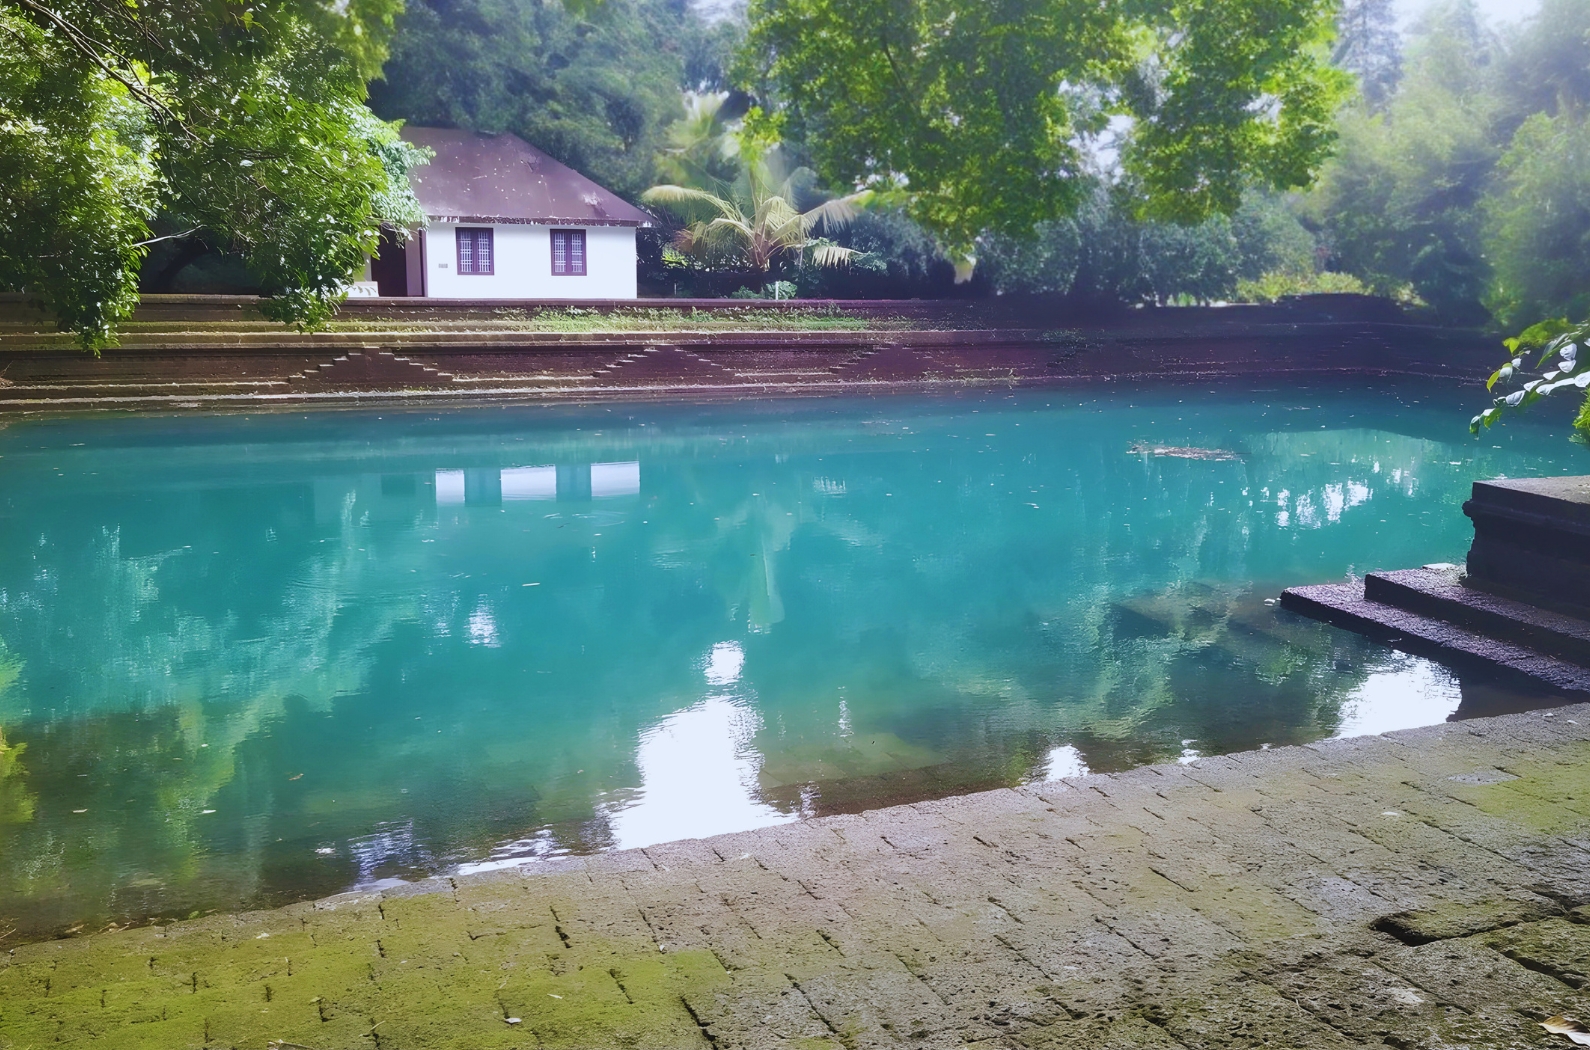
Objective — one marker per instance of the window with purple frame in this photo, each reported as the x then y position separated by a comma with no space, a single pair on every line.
568,253
475,251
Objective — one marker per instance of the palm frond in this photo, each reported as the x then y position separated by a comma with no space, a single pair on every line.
690,202
832,255
836,214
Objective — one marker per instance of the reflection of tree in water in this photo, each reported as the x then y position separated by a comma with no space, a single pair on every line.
1208,670
17,803
980,638
194,651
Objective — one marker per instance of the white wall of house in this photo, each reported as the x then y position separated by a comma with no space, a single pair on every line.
523,264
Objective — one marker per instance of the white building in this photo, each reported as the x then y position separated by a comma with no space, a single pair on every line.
508,222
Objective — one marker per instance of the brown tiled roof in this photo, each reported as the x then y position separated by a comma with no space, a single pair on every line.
502,178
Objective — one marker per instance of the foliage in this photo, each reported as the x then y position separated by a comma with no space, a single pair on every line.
1467,183
1400,204
895,259
1537,229
759,221
78,171
1369,47
1103,254
1543,341
987,112
1279,284
247,124
702,148
594,85
1542,68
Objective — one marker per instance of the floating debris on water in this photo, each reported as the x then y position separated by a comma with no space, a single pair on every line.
1182,451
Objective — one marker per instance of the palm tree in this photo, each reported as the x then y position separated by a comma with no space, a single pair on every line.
704,145
754,223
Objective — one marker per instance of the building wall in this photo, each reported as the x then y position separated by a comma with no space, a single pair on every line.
523,265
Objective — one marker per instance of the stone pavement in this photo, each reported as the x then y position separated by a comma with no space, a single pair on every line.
1421,889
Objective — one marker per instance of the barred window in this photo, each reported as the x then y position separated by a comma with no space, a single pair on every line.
474,251
568,253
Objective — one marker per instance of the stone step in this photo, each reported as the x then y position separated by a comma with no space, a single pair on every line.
368,366
1530,540
1442,593
1346,605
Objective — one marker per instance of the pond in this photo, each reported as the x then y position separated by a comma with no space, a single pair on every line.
249,659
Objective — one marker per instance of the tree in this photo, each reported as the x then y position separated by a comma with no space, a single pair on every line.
1543,68
987,111
758,222
702,148
1401,202
895,259
244,122
1537,223
1104,255
594,85
1369,47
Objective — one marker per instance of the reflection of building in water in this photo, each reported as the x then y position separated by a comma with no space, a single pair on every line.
567,482
378,497
449,486
530,483
614,479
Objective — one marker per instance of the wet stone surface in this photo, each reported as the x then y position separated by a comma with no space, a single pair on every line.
1378,891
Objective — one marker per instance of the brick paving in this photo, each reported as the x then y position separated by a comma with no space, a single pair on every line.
1422,889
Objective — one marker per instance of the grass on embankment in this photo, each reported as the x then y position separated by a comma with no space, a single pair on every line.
505,321
575,320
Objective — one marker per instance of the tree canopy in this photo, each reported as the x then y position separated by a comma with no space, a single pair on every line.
988,111
1369,47
595,85
1466,186
243,120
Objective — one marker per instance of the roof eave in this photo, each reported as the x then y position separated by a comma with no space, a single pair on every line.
510,220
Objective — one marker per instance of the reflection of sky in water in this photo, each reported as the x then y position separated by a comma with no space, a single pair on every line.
1064,761
1408,693
256,659
697,778
698,769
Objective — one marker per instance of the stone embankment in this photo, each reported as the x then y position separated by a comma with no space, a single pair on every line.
216,351
1425,888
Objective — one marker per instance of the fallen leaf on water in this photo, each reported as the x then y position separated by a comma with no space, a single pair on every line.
1574,1030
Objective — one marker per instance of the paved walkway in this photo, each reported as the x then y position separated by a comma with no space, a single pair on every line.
1422,889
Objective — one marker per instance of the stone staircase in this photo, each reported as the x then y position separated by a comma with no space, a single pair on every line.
1519,609
664,365
372,368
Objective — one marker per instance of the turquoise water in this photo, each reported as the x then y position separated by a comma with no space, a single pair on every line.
250,659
